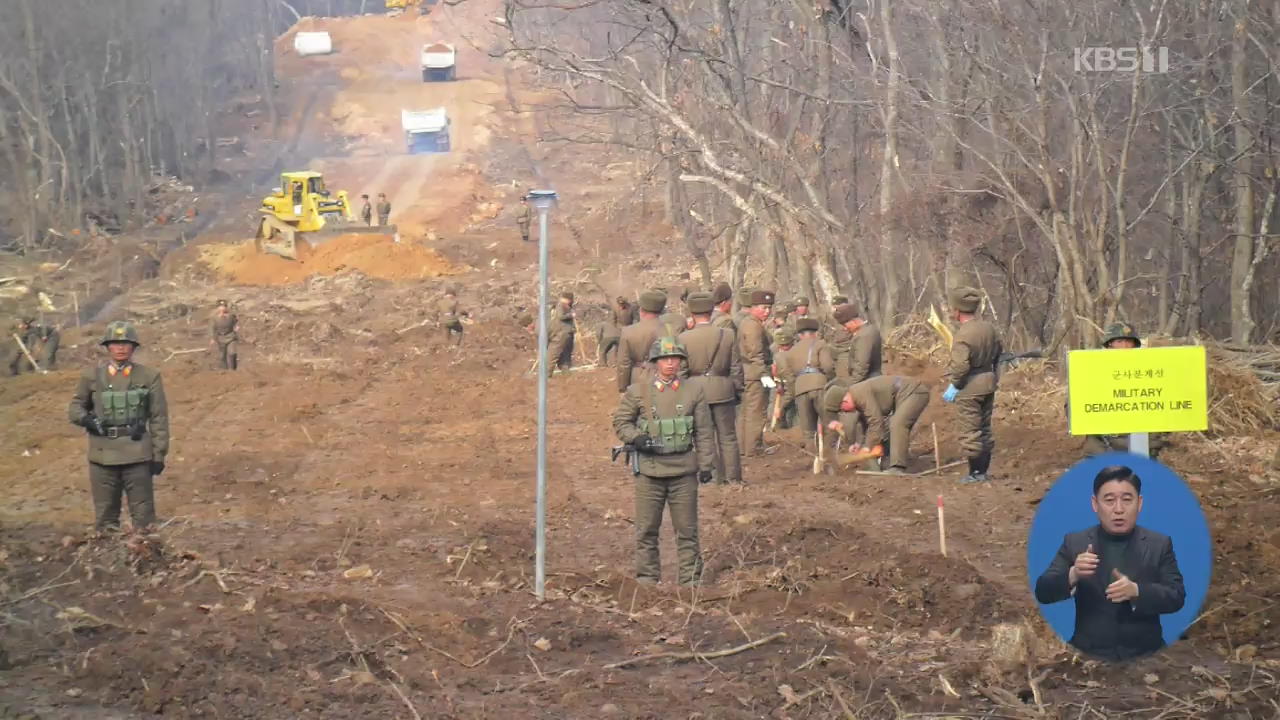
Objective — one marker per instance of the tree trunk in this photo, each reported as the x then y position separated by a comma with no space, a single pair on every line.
1242,185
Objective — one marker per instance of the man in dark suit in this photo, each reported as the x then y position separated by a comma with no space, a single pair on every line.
1122,577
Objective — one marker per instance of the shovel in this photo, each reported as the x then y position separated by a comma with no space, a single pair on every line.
819,461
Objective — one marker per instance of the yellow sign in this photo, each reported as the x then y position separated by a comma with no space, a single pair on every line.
1119,391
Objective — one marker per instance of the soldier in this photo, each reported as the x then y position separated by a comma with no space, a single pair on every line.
366,210
611,330
753,345
122,406
897,400
862,358
808,367
668,422
524,218
638,339
451,317
1121,336
973,374
226,336
714,363
46,338
384,209
744,307
722,300
777,402
671,322
561,328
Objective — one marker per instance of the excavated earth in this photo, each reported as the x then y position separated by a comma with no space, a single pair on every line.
349,519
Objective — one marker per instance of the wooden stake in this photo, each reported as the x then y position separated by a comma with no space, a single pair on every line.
27,352
942,529
75,302
937,451
819,461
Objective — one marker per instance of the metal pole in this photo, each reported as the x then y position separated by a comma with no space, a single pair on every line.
542,200
1139,444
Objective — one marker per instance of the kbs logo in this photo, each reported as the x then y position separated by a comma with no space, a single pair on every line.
1126,59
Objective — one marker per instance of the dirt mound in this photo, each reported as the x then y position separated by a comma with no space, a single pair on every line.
373,255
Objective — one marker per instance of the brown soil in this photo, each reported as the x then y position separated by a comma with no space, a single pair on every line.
349,518
376,256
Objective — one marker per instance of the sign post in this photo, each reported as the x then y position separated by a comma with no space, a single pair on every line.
543,201
1138,391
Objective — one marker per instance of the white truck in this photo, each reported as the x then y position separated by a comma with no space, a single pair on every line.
312,43
426,131
438,62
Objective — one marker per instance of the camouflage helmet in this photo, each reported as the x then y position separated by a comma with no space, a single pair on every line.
1120,331
120,331
667,347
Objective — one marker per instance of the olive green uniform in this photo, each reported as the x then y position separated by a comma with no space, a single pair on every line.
807,367
523,219
891,400
862,360
753,346
46,339
16,360
974,370
724,320
384,213
560,333
130,403
672,324
226,339
633,352
611,332
678,418
450,318
715,365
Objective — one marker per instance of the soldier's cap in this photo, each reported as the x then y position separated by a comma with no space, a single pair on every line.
832,396
784,336
667,347
222,303
653,301
567,295
806,325
846,312
761,297
721,293
840,300
1118,331
786,309
964,299
701,302
623,301
744,295
802,301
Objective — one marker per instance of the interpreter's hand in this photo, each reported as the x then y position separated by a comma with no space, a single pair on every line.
1122,589
1085,566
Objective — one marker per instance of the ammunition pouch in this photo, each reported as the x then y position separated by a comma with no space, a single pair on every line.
125,409
671,436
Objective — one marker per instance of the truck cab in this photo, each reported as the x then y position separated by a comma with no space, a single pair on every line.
426,131
438,62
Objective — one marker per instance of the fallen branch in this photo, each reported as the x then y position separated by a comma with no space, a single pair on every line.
400,624
415,326
940,468
405,698
696,655
185,352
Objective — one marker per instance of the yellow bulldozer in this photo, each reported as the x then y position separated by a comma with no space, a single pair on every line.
396,7
302,208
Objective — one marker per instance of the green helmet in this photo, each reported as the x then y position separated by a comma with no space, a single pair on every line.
784,336
667,347
120,331
1119,331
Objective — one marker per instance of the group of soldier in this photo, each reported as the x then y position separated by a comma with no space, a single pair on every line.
383,207
696,393
34,345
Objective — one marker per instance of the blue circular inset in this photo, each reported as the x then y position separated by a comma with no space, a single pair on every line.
1169,507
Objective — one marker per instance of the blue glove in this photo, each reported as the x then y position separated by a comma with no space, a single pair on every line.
950,394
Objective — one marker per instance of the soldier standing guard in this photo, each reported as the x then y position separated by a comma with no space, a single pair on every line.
560,333
637,339
366,210
384,209
122,407
713,362
668,422
524,218
973,373
226,336
860,359
1121,336
757,359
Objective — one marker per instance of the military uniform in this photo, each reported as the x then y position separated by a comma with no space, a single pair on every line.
861,358
611,330
974,372
561,329
450,317
808,365
123,409
781,399
637,340
753,345
384,210
366,211
713,363
523,220
226,337
1099,444
891,400
670,426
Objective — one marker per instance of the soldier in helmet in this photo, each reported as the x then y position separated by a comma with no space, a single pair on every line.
1121,336
668,422
226,336
121,405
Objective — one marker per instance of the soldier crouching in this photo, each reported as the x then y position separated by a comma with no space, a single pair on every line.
122,407
668,423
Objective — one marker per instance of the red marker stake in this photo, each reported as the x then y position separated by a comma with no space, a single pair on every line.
942,529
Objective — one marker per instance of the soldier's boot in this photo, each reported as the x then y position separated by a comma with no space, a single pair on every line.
978,469
232,361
